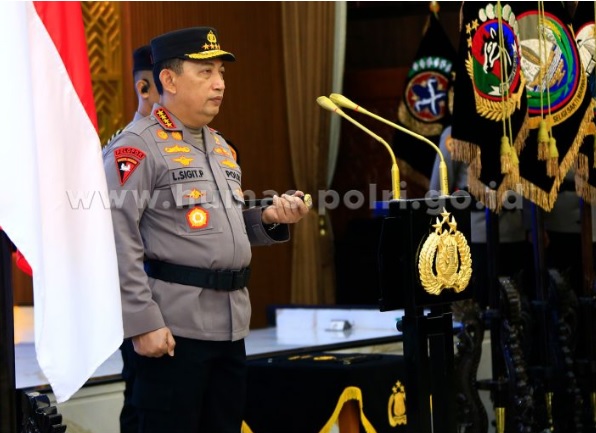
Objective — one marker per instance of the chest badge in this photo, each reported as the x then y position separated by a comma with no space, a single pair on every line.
177,149
221,151
229,163
194,194
127,160
184,160
197,218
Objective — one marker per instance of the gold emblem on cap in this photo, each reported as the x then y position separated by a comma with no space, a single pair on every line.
183,160
445,260
212,39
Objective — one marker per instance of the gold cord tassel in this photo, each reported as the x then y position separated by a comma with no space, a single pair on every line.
552,164
514,173
505,155
543,150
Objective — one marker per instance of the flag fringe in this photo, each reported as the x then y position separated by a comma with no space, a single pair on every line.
573,151
467,152
582,167
491,198
586,191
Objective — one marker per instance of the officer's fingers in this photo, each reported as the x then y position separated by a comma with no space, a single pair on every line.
170,343
290,202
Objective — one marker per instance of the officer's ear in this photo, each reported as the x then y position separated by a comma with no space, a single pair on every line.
168,80
142,86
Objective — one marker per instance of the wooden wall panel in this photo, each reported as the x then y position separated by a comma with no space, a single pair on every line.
252,116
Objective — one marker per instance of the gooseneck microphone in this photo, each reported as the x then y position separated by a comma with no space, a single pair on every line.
342,101
327,104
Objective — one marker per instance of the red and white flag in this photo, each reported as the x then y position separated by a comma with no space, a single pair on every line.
51,184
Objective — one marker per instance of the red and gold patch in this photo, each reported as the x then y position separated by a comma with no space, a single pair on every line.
184,160
162,134
163,118
127,160
177,135
197,218
177,149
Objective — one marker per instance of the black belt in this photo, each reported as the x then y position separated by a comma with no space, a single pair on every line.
218,279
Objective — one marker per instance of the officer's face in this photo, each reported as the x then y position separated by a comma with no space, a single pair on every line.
199,91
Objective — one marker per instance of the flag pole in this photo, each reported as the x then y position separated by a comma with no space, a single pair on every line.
7,364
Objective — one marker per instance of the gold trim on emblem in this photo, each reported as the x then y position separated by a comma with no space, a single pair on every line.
445,260
396,406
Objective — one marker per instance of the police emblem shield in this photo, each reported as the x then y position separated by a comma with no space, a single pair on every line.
558,98
489,108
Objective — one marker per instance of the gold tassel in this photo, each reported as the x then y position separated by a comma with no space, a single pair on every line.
552,164
514,173
505,155
543,150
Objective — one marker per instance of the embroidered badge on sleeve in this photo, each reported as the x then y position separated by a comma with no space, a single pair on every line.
127,160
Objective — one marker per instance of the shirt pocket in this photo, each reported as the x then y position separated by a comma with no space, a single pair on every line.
195,211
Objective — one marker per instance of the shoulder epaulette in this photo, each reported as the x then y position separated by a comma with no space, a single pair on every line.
164,119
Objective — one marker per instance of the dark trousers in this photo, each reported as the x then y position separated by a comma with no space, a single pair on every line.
202,389
129,421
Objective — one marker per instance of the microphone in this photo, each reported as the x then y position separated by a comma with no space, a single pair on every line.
327,104
342,101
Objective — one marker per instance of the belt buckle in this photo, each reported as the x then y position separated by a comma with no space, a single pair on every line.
223,279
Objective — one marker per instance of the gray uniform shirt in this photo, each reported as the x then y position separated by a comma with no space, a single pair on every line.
174,202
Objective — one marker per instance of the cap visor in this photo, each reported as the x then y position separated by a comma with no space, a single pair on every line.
224,55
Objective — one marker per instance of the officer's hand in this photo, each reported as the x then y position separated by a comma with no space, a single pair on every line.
286,209
155,344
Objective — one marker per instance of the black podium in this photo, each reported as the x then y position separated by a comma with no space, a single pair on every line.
307,393
424,266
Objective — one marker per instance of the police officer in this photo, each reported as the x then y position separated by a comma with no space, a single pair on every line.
147,95
184,242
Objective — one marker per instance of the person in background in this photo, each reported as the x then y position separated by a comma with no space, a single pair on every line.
562,238
512,241
144,85
147,95
183,238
